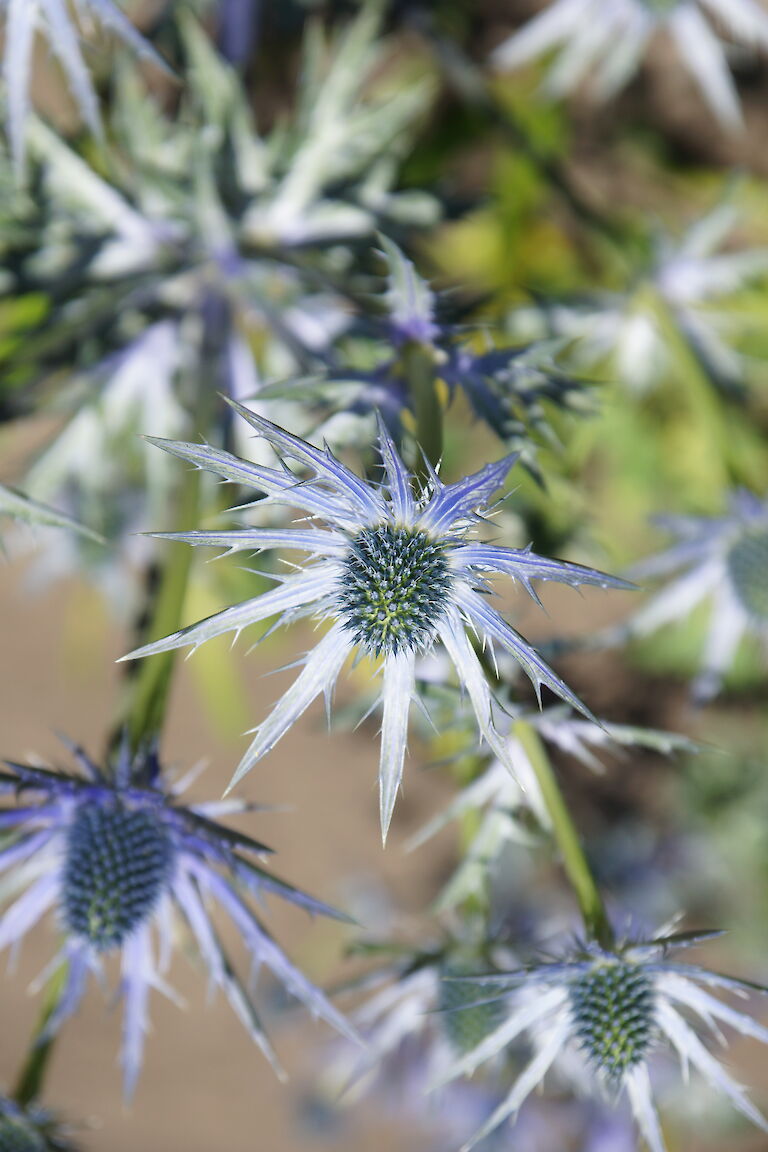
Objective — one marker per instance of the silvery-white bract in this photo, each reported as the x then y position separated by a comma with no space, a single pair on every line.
603,41
121,862
722,559
54,19
392,571
498,797
691,278
413,1026
608,1010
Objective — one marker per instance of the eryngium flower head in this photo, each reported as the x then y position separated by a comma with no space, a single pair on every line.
609,1010
29,1129
513,390
414,1025
392,572
115,857
721,559
604,40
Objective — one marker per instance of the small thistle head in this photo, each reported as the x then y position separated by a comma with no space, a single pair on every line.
613,1010
16,1135
747,561
393,589
467,1013
118,860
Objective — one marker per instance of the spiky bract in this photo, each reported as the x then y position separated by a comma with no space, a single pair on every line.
392,569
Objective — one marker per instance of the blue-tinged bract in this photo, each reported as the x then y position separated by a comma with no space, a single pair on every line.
392,571
604,41
610,1009
414,1024
119,860
720,559
514,390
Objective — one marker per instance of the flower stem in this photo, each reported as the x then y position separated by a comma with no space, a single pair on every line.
148,688
30,1080
577,869
419,366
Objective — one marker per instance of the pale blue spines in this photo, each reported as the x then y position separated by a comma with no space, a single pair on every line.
121,862
610,1008
363,528
721,560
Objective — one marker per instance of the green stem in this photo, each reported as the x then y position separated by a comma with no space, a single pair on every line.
30,1081
148,689
419,367
575,863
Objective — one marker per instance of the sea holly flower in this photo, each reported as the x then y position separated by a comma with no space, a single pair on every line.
414,1025
119,858
723,559
499,798
609,1010
206,260
603,41
31,1129
392,571
54,19
513,390
691,278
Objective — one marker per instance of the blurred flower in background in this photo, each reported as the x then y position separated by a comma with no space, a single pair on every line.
682,298
512,390
602,42
495,799
202,259
610,1008
723,560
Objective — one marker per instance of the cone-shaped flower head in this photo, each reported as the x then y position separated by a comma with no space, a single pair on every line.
721,559
609,1010
116,857
393,572
604,41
